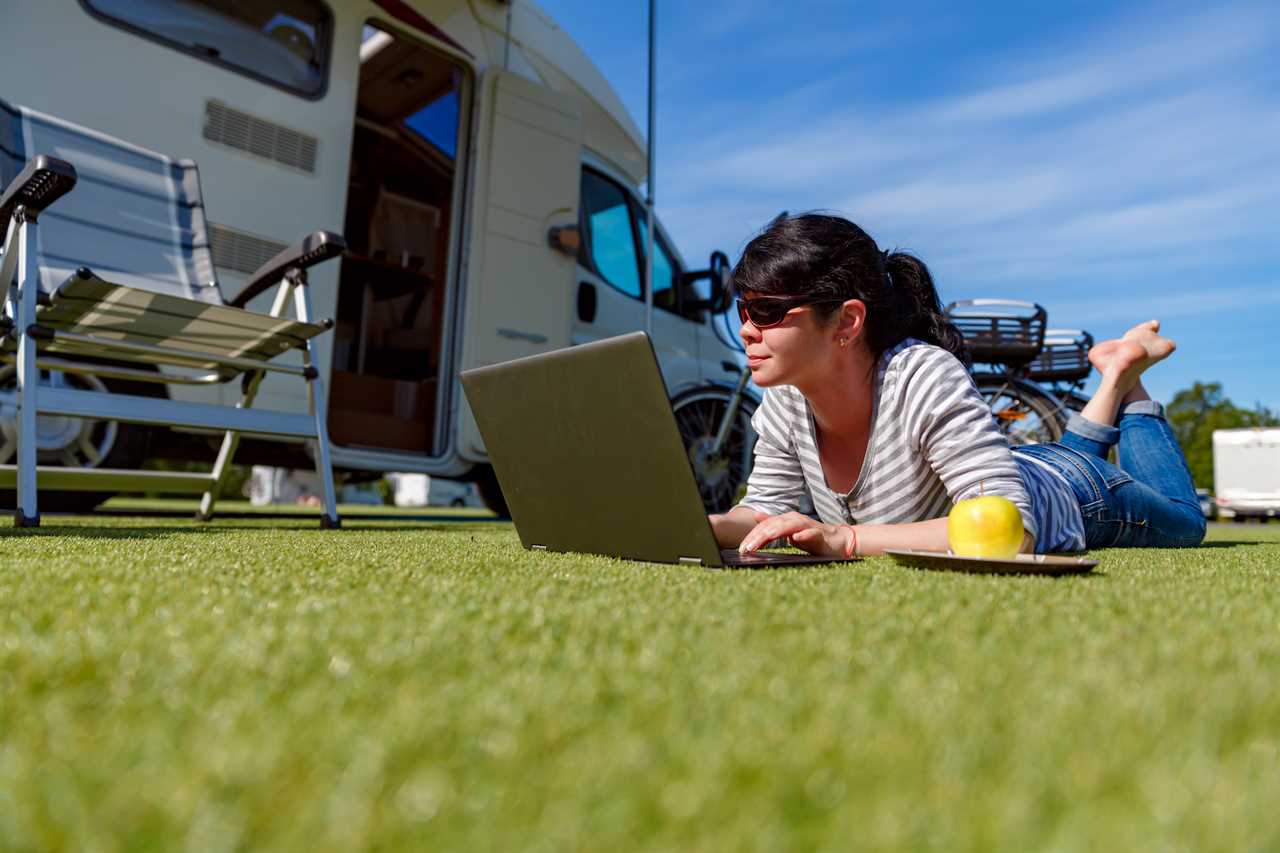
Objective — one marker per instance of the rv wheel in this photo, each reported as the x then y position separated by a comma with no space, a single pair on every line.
721,471
491,492
81,442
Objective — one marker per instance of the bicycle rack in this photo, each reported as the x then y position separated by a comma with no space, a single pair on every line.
1000,331
1065,357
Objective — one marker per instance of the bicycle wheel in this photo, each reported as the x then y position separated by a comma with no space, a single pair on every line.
1074,402
1064,402
721,476
1022,412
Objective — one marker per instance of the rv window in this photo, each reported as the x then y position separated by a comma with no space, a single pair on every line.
665,270
413,89
437,122
283,42
610,238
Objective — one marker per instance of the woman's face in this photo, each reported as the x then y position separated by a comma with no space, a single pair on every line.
794,352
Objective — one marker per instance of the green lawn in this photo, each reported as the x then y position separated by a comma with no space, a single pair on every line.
260,684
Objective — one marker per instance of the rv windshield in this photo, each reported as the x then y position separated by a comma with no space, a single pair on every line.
282,41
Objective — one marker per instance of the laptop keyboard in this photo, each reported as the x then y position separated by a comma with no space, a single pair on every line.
732,559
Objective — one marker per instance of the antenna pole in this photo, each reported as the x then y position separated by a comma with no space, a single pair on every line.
648,265
506,49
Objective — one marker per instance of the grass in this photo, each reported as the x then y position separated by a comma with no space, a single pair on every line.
260,684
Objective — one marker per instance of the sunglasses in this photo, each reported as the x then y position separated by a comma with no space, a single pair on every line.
767,311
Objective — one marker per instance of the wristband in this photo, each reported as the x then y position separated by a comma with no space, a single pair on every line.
853,541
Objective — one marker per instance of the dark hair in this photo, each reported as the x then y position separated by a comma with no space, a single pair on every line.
820,255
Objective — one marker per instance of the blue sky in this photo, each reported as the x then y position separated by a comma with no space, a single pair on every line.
1113,162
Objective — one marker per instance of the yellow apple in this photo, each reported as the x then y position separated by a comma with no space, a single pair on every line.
988,526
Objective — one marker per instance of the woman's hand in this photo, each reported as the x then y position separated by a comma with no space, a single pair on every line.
801,531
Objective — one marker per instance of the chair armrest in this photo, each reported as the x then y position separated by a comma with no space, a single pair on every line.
317,247
41,182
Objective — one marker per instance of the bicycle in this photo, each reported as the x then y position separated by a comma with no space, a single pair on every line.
715,425
1062,368
1008,336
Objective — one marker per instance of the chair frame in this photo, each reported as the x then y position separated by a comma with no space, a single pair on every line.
40,184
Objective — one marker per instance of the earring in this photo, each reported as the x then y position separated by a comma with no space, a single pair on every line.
844,341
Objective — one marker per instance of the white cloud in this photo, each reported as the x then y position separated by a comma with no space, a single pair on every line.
1125,59
1132,173
1175,150
1206,298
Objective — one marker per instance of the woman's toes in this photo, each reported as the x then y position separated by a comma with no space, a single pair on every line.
1142,330
1145,334
1156,346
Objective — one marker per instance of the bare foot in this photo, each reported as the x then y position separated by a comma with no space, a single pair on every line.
1122,363
1100,354
1147,335
1132,354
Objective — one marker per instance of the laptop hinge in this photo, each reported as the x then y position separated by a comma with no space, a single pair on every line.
693,561
538,547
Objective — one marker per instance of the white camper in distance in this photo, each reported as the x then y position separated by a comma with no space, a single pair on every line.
1246,472
483,172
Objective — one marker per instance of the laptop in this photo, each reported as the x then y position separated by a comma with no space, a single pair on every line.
587,452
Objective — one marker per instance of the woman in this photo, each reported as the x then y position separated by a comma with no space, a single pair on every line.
869,409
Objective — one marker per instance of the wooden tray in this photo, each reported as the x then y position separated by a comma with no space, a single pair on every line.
1022,564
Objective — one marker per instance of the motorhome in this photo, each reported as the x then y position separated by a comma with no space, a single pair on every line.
484,173
1246,472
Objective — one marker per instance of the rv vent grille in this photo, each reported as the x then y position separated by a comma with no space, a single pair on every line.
240,252
229,126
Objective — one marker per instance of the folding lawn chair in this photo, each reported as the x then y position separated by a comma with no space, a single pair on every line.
156,314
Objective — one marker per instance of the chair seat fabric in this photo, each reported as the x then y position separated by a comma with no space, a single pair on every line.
91,306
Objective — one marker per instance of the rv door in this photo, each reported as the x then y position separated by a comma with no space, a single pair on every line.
519,292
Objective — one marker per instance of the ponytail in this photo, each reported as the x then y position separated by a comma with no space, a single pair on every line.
919,310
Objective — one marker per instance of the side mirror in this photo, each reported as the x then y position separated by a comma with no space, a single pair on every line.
720,273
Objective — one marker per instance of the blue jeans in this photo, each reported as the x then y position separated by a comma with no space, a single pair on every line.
1148,500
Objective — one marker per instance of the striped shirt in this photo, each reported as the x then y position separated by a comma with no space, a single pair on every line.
933,442
1054,503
